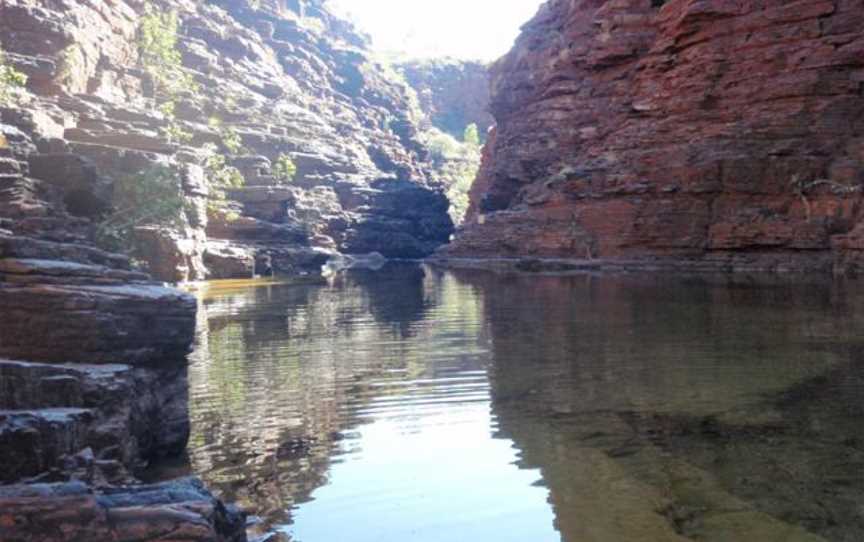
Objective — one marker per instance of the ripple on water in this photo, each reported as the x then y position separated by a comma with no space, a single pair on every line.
414,405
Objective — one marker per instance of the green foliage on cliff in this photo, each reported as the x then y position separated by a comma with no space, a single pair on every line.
471,135
456,164
229,137
173,131
231,140
222,177
458,191
157,46
441,145
10,78
153,197
284,169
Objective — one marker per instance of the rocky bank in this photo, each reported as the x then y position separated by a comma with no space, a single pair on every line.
93,383
708,133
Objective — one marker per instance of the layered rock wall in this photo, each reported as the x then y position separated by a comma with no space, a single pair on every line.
730,133
93,383
93,373
451,93
285,78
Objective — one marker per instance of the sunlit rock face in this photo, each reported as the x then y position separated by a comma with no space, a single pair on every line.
287,77
686,130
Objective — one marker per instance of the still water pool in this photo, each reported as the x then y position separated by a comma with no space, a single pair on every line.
416,404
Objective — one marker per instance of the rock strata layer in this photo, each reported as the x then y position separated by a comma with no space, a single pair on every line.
726,133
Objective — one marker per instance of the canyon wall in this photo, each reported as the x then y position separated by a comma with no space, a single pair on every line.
280,78
451,93
718,134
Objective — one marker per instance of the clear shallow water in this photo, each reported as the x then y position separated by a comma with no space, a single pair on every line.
413,404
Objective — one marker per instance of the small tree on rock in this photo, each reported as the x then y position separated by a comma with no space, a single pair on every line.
284,169
153,197
10,78
472,135
158,35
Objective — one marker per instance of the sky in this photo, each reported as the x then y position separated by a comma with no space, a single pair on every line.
466,29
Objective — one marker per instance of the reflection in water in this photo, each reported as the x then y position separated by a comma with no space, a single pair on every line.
415,404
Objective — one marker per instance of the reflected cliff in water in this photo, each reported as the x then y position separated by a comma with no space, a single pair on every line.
418,404
675,409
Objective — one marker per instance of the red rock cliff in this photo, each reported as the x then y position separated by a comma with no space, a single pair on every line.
721,131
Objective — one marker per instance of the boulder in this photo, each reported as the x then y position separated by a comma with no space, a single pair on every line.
226,260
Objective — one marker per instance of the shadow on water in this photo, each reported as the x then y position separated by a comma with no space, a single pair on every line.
419,404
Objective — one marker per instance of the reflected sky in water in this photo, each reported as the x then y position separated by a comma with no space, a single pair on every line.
398,482
414,404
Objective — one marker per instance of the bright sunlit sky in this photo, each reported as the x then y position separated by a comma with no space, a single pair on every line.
467,29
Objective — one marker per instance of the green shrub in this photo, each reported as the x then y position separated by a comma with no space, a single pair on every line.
461,178
284,168
153,197
10,78
441,145
456,164
160,58
231,140
222,177
157,45
173,131
472,135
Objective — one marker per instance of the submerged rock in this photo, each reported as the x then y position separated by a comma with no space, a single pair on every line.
343,262
178,510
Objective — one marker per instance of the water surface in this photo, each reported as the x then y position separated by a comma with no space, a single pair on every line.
414,404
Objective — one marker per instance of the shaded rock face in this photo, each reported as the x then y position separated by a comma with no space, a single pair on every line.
125,416
452,93
92,357
728,132
286,77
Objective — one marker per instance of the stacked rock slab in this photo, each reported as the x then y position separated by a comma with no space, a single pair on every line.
92,382
719,134
285,77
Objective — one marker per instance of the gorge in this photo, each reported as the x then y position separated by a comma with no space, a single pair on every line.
151,143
